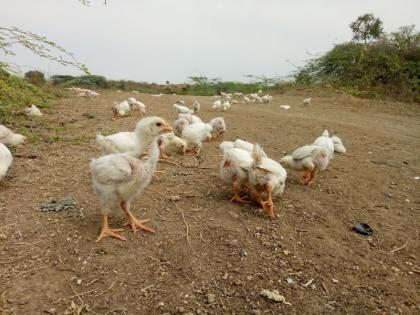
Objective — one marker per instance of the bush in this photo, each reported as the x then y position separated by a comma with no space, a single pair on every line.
389,67
35,77
16,93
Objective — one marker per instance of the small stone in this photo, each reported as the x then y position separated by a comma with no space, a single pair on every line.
79,281
334,280
51,311
256,312
211,298
249,278
175,198
181,309
290,280
225,276
387,194
3,237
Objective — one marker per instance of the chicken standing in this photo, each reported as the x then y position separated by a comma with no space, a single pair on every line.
307,159
118,178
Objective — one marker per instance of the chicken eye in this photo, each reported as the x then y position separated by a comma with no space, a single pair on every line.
158,124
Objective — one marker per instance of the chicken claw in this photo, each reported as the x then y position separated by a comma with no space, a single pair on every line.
106,231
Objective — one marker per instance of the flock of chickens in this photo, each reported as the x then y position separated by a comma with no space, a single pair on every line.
129,159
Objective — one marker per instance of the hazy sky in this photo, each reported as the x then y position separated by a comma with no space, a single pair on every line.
161,40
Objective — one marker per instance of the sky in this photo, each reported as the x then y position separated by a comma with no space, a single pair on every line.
168,40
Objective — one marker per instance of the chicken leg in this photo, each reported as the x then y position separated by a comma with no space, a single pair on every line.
106,231
162,154
267,206
236,197
133,221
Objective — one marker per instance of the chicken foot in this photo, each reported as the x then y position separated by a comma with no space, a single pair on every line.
236,194
133,221
106,231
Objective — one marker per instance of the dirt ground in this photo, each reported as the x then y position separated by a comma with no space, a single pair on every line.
210,256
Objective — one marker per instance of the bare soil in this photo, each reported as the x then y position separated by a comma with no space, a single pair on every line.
210,256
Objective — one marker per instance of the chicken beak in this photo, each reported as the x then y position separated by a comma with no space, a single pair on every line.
167,128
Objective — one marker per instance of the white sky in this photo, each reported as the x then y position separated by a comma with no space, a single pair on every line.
159,40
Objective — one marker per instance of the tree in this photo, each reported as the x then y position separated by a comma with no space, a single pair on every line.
10,37
366,28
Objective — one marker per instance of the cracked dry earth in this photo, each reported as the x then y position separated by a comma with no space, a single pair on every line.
49,262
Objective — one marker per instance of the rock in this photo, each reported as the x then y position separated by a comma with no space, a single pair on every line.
274,296
175,198
334,280
211,298
290,280
387,194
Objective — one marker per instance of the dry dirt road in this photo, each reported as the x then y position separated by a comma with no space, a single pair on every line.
229,253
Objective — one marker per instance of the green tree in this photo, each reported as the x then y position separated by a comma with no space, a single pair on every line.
366,28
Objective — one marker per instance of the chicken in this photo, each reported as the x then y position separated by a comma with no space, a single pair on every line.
325,141
8,137
217,104
179,126
183,109
32,111
307,159
196,106
219,128
136,105
119,142
233,170
6,160
226,105
307,101
171,144
118,178
192,119
120,110
338,145
267,179
246,100
241,144
267,98
195,134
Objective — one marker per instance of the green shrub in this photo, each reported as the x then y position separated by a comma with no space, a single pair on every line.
35,77
16,93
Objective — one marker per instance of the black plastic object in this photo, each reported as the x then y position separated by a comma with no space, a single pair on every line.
363,228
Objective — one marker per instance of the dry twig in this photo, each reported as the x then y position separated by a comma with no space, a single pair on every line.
398,248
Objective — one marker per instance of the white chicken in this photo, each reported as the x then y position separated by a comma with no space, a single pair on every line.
171,144
120,110
183,109
6,160
267,179
326,142
118,178
338,145
217,105
246,100
226,105
233,170
33,110
195,134
307,159
119,142
192,119
307,101
219,128
267,98
179,126
240,144
8,137
196,106
136,105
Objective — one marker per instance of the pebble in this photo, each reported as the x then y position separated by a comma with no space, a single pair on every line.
334,280
51,311
175,198
256,312
290,280
3,237
211,298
